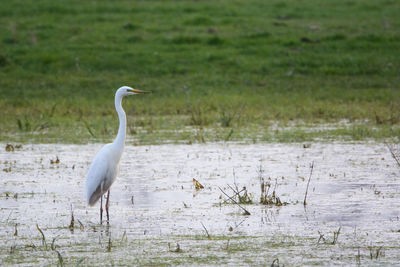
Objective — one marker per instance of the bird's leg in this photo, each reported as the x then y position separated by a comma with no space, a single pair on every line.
101,203
107,205
101,209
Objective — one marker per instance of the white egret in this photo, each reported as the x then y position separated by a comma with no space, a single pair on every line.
105,165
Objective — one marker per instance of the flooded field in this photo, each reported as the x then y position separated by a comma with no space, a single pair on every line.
158,217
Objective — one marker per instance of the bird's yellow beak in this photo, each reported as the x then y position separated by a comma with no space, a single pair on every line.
136,91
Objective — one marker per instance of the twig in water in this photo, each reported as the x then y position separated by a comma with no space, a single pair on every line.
53,246
321,237
60,259
275,263
72,223
393,154
336,236
308,183
53,243
246,212
276,183
242,199
358,257
43,237
235,190
245,198
208,235
79,262
124,237
227,244
81,225
377,253
237,225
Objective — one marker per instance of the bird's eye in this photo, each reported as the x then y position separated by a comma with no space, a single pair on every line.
127,90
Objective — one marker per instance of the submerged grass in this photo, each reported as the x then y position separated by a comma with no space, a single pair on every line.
216,65
196,249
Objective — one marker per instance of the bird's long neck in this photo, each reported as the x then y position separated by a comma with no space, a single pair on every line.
120,139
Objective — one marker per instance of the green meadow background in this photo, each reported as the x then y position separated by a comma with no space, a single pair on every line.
220,70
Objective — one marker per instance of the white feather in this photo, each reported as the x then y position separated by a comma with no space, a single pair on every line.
103,170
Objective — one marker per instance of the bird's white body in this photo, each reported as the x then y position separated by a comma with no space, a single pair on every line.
105,166
102,173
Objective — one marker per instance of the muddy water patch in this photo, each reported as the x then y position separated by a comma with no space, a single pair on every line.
155,206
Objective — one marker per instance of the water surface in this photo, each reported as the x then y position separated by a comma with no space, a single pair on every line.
155,206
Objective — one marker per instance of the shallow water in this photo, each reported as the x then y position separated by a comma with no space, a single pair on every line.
354,187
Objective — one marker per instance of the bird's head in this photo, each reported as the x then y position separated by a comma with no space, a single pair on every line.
126,90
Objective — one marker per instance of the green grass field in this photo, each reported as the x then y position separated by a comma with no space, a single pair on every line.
219,70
